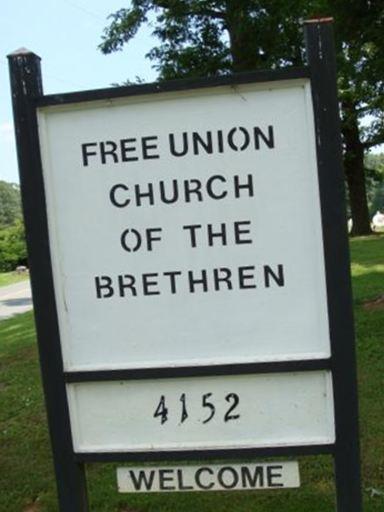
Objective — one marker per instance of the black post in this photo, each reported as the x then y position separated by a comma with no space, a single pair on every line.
322,63
26,86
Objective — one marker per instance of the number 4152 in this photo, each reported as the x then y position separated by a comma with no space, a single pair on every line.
207,405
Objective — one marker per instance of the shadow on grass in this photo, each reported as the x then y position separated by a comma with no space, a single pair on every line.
368,250
17,332
368,285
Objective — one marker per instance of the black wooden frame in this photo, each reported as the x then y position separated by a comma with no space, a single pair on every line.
27,97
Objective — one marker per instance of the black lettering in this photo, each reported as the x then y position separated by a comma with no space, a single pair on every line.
175,192
172,147
124,242
197,141
192,232
139,194
247,186
268,140
252,480
126,149
226,278
172,279
127,282
220,141
221,234
189,189
86,153
184,412
247,138
107,285
147,147
231,141
244,276
182,487
229,415
113,199
104,152
210,190
163,478
271,475
278,278
240,230
148,283
151,237
234,476
161,411
193,282
142,480
198,480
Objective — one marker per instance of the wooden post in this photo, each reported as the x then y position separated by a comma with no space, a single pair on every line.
322,63
26,87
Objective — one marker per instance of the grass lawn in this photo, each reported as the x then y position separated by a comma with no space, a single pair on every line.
26,474
7,278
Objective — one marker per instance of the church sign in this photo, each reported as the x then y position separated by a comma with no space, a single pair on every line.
190,275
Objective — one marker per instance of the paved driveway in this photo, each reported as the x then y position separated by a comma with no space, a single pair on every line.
14,299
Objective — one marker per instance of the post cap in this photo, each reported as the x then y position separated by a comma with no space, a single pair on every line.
22,51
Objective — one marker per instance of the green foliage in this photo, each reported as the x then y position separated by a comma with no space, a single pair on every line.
10,203
367,269
359,28
212,37
375,182
204,38
13,249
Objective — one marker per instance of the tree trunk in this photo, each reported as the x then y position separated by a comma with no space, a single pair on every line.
354,170
241,36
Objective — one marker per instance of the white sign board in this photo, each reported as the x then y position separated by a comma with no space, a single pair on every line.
185,230
236,411
229,477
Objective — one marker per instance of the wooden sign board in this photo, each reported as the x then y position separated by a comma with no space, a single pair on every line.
185,230
190,268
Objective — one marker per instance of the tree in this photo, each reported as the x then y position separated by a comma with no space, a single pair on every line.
10,203
232,35
13,249
359,28
375,182
210,37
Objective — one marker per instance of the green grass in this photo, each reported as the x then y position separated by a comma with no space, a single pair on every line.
367,256
26,473
7,278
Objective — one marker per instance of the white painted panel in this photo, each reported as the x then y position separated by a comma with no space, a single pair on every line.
273,410
209,477
204,327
